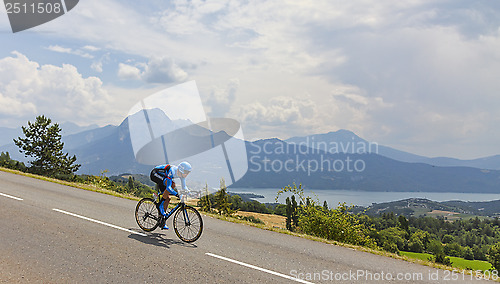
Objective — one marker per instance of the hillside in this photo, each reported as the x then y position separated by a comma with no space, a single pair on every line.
345,141
424,207
363,172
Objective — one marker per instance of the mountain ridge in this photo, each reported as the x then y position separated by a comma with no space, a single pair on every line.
275,163
346,136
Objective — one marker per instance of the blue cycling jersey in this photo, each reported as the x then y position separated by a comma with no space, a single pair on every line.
168,176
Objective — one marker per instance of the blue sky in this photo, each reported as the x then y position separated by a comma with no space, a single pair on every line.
420,76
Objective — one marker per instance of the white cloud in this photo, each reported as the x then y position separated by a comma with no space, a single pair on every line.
220,99
280,116
60,49
190,17
11,107
91,48
98,64
128,72
441,84
393,71
157,70
163,70
28,89
57,48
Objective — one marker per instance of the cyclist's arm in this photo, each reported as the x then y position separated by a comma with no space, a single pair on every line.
168,184
183,184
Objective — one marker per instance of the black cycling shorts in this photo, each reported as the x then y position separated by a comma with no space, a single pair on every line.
158,179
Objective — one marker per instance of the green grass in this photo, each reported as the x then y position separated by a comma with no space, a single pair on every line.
470,264
421,256
456,261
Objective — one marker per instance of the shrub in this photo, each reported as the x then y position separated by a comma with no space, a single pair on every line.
441,258
454,249
335,224
494,256
251,219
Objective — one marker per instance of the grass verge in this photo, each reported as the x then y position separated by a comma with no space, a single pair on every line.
72,184
456,261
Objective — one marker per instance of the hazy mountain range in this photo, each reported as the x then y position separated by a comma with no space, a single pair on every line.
349,142
335,160
67,129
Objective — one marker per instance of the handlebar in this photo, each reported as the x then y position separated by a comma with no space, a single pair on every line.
183,194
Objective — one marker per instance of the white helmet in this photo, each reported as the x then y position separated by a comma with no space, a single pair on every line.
184,169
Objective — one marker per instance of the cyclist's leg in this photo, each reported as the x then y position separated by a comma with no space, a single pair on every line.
168,183
166,200
159,180
164,207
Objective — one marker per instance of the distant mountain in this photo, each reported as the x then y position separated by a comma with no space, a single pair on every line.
408,207
421,206
112,152
274,163
85,137
68,128
110,149
486,208
492,162
7,134
349,162
13,152
345,141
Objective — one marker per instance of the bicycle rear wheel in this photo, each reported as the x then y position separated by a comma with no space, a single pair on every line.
188,224
147,215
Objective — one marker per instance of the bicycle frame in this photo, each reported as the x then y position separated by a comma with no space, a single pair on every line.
181,206
173,210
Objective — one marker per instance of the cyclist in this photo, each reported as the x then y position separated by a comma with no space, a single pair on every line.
163,175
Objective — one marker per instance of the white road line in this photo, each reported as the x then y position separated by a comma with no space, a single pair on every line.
258,268
10,196
99,222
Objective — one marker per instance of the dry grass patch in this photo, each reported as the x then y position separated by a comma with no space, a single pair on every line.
271,221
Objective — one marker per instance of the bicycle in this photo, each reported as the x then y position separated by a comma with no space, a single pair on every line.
188,224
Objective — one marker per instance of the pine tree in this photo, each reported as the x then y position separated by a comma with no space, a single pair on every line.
42,143
288,212
295,215
205,203
222,200
130,183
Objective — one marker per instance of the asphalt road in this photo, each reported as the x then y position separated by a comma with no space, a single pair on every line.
41,243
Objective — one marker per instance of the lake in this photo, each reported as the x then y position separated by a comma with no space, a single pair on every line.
366,198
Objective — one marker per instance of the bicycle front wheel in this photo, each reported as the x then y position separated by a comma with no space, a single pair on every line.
188,224
147,215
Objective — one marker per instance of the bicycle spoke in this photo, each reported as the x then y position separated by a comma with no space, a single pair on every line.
188,224
147,215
